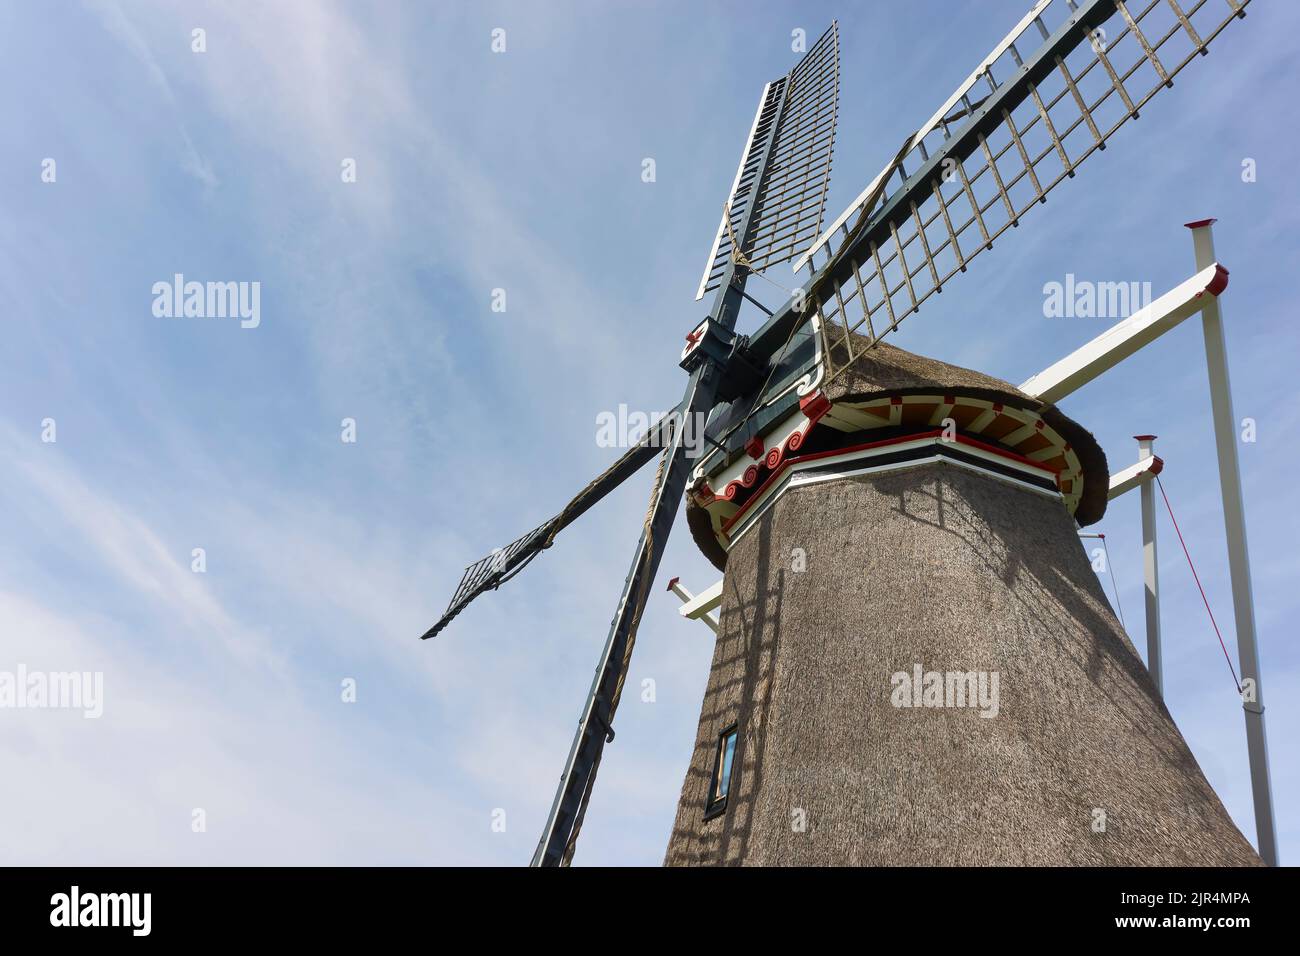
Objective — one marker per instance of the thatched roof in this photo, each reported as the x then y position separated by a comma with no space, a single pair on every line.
954,571
886,370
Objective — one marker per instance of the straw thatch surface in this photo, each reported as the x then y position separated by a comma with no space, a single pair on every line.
954,571
887,369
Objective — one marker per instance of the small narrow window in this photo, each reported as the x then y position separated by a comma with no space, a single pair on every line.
721,780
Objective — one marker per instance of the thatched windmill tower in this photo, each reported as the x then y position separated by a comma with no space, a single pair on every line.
880,547
881,515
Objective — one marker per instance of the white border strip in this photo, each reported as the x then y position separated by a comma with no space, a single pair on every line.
726,206
792,478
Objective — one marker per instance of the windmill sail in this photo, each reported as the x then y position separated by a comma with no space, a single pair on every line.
789,147
491,571
1056,88
1048,96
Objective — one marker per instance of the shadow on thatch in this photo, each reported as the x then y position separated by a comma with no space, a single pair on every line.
948,570
1103,638
755,652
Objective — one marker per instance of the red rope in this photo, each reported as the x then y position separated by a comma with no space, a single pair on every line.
1197,578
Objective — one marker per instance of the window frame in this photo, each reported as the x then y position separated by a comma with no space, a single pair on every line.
715,804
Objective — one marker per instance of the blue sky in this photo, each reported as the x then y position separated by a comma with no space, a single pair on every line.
521,171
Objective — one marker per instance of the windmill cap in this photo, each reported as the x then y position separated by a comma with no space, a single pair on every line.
886,371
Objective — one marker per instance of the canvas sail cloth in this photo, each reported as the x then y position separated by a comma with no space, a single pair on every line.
941,569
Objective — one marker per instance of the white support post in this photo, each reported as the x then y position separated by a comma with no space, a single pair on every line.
1151,568
1234,519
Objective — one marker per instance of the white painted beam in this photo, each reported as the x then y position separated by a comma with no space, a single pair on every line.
982,421
1120,341
702,603
1136,474
698,607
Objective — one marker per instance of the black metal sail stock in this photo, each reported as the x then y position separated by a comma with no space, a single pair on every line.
710,362
595,729
775,205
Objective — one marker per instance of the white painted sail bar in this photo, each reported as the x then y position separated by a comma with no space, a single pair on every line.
1133,476
928,128
731,195
1120,341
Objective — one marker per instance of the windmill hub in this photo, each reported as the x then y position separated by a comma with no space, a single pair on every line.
709,340
740,370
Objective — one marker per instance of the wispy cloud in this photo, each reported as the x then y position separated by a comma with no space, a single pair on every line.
116,20
327,560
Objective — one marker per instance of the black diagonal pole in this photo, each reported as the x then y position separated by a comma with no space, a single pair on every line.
706,371
594,730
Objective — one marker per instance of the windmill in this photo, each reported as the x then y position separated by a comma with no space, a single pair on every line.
815,379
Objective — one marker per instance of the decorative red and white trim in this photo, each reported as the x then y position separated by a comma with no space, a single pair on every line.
908,451
765,452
